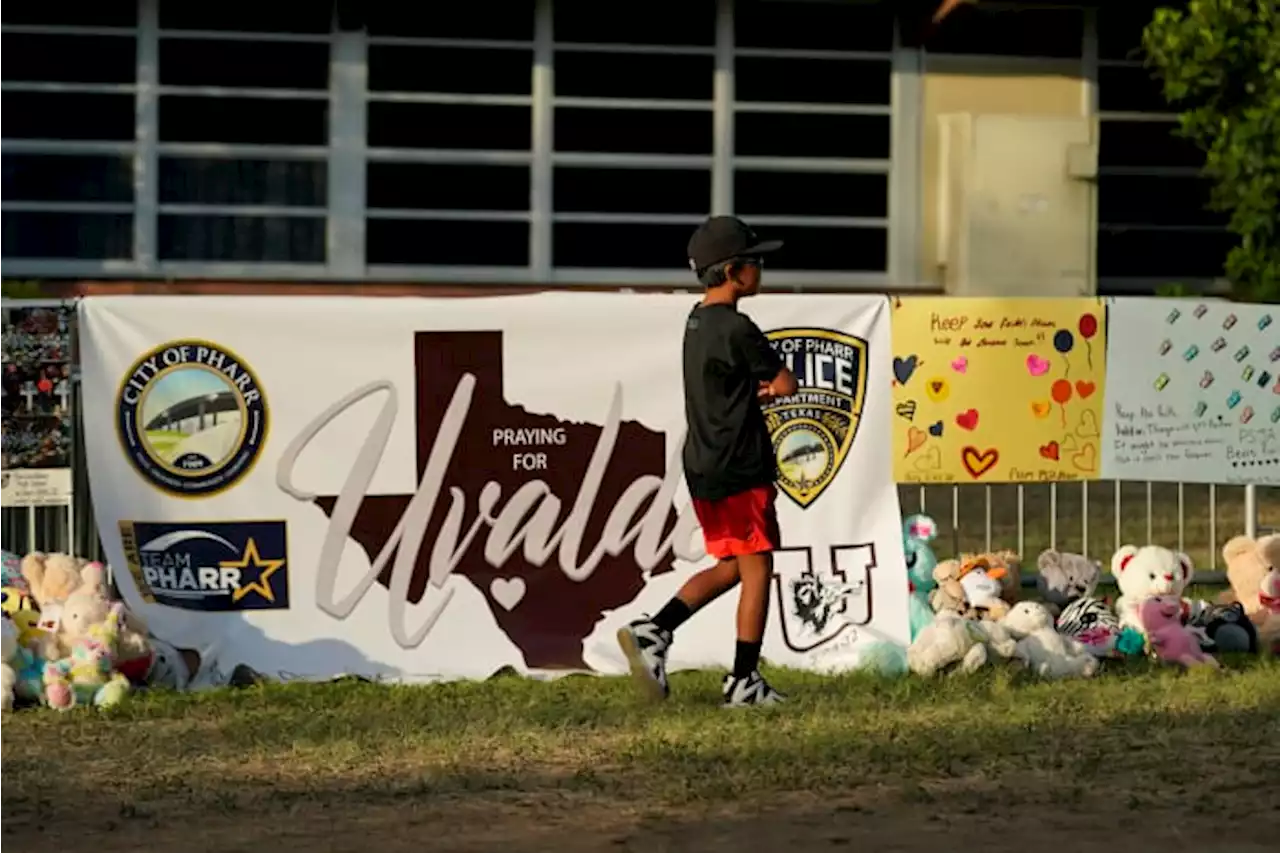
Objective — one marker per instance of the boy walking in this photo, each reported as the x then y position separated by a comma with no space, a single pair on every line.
729,462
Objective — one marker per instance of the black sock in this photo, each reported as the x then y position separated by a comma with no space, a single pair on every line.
746,659
673,615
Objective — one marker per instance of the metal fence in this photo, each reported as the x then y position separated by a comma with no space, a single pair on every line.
1091,518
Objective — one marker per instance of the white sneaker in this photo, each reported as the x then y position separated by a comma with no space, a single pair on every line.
750,691
645,645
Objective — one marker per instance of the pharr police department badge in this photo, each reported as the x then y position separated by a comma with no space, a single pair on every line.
813,430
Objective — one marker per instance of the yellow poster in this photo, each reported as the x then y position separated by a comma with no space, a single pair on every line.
997,390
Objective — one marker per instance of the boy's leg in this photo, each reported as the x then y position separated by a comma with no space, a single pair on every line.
745,686
756,571
645,642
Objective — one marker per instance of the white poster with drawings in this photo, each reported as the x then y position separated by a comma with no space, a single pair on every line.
1193,392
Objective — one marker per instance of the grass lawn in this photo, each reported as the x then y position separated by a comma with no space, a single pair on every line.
164,440
1142,758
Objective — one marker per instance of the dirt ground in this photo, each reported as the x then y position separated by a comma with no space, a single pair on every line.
959,815
1143,759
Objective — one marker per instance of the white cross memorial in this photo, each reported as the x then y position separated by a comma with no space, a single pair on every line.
29,394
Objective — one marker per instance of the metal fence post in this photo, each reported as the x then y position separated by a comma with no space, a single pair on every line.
1250,511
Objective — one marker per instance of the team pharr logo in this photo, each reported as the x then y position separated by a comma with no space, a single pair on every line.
813,430
191,417
209,565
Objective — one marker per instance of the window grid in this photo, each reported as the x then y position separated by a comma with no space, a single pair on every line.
62,227
345,215
1129,238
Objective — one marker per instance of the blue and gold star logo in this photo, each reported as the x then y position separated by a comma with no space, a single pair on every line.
251,564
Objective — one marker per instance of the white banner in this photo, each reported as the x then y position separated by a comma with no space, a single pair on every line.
417,489
1193,392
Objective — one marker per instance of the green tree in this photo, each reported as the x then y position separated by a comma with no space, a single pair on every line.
1219,64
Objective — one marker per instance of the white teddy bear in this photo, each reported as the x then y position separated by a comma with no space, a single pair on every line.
1044,651
1145,572
952,639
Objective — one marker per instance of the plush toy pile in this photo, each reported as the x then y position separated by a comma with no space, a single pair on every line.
967,612
67,643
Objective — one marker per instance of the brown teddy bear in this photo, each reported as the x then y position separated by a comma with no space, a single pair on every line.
1253,569
52,578
948,595
56,579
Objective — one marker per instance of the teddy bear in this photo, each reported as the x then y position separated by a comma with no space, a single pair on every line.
8,652
1042,649
917,532
14,599
31,628
953,640
11,572
28,668
1065,578
1091,622
53,577
1170,640
86,674
947,595
1142,573
1221,627
1005,565
948,640
1253,570
990,586
982,591
998,641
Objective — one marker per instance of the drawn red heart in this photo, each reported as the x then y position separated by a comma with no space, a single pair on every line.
967,420
1085,389
1049,451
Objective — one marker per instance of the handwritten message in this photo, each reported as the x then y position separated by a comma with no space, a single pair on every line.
1193,393
997,390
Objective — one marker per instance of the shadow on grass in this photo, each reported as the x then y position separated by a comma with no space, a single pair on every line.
817,778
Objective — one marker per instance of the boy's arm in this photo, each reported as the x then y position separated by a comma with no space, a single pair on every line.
762,361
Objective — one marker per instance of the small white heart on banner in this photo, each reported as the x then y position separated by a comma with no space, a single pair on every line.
507,591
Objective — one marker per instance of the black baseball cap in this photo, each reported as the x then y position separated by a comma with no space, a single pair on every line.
723,238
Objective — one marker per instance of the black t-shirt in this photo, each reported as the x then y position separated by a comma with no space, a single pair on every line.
727,449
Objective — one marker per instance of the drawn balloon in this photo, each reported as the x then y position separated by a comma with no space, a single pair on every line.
1063,342
1088,327
1061,392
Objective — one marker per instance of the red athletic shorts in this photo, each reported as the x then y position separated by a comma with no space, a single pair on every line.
745,523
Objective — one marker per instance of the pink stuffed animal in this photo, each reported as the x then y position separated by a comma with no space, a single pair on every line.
1172,641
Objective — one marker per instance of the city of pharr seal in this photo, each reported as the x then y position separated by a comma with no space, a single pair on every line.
192,417
813,429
